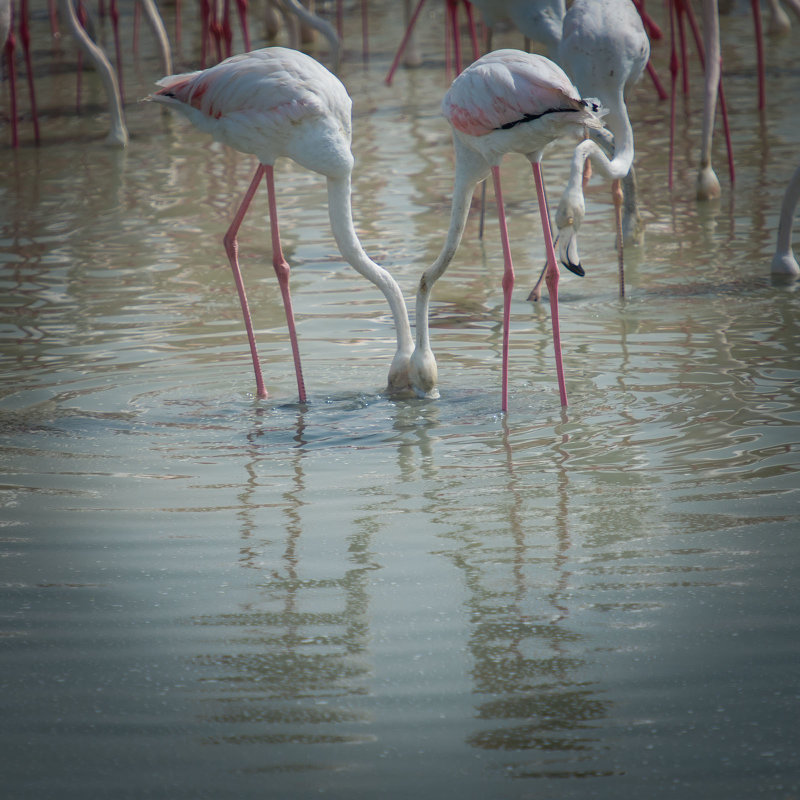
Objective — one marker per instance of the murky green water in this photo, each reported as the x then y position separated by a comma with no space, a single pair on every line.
203,595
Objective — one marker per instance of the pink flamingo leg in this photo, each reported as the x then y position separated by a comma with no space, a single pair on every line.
226,31
205,31
282,272
473,31
241,7
25,38
754,4
673,71
79,61
364,32
9,48
215,29
406,36
681,10
114,12
232,249
452,35
508,282
551,278
137,18
653,31
651,71
723,106
53,14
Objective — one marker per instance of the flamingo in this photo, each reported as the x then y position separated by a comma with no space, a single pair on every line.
452,35
8,44
307,21
784,262
118,135
538,20
779,22
507,101
604,50
707,186
274,103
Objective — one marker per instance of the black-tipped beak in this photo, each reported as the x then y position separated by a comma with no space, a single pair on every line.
568,250
576,269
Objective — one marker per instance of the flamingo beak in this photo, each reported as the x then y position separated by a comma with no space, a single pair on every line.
536,293
568,250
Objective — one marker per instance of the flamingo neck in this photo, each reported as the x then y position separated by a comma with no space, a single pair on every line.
471,168
784,260
341,217
615,168
118,135
322,26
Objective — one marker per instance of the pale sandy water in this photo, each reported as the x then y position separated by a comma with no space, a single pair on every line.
209,596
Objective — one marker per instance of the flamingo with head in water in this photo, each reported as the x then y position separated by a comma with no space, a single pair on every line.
507,101
276,103
604,49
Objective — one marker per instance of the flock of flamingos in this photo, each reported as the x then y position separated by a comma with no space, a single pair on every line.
278,102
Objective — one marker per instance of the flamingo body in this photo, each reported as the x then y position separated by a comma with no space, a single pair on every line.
514,102
604,47
605,50
270,103
539,20
275,103
507,89
507,101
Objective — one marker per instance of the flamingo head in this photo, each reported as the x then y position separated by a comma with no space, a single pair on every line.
569,217
423,374
399,374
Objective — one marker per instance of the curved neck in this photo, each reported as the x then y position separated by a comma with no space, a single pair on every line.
341,217
119,133
788,207
160,33
614,168
310,19
470,169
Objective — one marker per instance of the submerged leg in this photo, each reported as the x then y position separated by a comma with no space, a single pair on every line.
282,272
232,249
508,282
552,276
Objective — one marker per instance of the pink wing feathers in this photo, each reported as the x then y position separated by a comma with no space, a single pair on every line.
283,84
507,87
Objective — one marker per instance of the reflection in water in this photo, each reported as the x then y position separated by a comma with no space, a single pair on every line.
526,656
370,596
533,702
298,646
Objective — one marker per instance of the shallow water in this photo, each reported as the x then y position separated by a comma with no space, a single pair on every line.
207,595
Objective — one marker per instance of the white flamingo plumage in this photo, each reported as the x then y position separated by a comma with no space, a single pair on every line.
784,262
605,50
276,103
507,101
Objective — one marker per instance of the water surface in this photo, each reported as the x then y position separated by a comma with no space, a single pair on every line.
208,595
